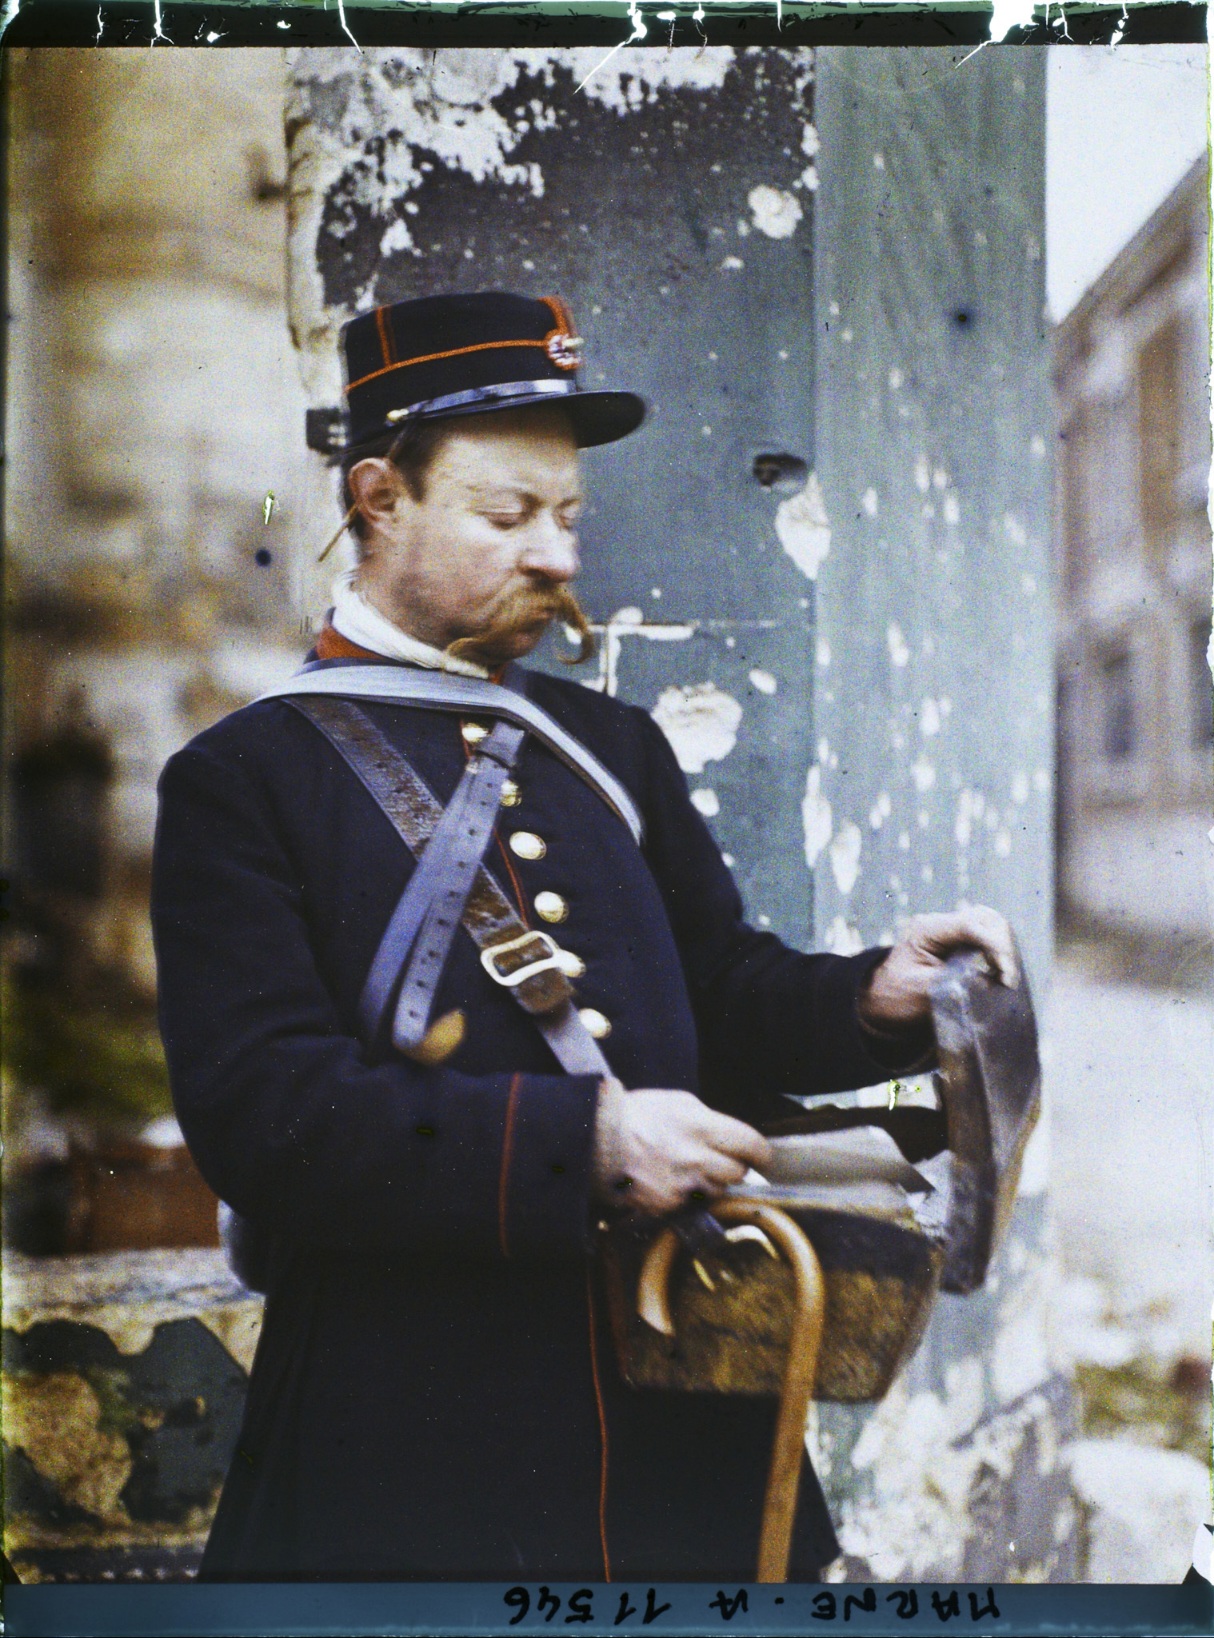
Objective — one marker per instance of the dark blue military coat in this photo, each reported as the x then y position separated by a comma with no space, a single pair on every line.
435,1393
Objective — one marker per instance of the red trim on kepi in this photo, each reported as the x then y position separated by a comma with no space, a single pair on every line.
441,357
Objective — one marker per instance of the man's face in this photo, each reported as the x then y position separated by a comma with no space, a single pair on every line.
486,551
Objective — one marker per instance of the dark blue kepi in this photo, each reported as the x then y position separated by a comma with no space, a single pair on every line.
451,355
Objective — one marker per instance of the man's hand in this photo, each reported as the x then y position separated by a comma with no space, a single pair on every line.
899,991
655,1150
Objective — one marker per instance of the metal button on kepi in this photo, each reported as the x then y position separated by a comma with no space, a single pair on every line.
595,1023
550,907
473,732
571,965
511,795
528,845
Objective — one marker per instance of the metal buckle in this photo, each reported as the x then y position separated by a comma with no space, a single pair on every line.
542,965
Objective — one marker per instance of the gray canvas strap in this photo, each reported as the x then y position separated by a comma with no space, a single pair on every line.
521,959
442,691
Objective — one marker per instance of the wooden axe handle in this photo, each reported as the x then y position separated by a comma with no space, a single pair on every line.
784,1474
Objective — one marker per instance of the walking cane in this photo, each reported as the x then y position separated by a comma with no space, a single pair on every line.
809,1305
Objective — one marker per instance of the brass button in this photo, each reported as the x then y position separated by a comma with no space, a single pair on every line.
528,845
550,907
473,732
511,795
571,965
595,1023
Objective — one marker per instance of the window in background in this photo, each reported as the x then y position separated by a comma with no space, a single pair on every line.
1160,411
1201,686
1117,704
1076,523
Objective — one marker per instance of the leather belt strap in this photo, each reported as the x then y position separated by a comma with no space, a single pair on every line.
572,1044
420,934
441,691
522,960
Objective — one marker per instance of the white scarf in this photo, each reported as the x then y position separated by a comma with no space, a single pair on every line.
359,623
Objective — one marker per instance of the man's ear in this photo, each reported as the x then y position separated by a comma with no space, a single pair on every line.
376,487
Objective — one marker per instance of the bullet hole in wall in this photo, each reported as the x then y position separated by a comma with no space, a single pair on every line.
782,472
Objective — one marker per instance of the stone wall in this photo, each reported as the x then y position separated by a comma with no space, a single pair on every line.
157,506
155,499
123,1388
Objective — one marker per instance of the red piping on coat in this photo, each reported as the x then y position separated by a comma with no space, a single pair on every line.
598,1400
503,1179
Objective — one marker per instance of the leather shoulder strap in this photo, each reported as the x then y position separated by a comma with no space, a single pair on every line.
441,691
523,960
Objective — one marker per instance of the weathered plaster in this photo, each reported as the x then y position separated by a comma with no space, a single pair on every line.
625,623
701,722
936,1462
845,856
774,211
816,817
804,528
123,1386
937,518
364,133
841,938
57,1421
899,653
128,1294
1142,1506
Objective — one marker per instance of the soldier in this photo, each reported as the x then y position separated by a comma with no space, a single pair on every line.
435,1394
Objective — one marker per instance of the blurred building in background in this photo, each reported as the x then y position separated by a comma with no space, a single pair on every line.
154,520
1135,707
151,510
1130,1026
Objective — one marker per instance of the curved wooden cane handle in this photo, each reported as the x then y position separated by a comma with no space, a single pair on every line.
784,1475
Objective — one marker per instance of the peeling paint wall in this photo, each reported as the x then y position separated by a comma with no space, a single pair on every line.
931,781
826,583
669,200
123,1388
366,139
934,416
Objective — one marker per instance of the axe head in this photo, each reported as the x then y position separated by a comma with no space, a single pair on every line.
989,1083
